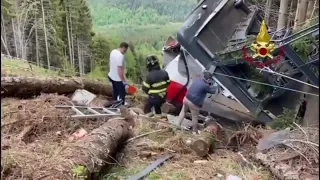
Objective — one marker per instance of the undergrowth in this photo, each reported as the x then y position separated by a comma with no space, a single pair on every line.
286,119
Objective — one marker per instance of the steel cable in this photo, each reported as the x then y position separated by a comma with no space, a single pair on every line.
268,70
266,84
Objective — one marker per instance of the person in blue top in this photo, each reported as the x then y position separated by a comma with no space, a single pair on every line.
194,99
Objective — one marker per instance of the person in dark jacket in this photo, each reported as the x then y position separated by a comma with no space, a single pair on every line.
195,96
155,85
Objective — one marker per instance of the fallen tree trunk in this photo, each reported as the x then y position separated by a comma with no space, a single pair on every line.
280,170
82,158
30,86
203,144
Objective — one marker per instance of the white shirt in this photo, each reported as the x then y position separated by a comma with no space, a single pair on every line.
116,59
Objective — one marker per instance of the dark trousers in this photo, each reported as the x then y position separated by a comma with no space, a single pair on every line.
118,89
154,101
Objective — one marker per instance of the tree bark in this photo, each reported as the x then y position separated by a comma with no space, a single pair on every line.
203,144
36,36
283,13
267,11
300,13
68,34
45,35
30,86
291,16
315,8
309,9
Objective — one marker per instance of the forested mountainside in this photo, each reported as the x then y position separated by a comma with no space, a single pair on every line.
54,33
66,33
139,12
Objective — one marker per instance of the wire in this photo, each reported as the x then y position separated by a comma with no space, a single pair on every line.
268,70
266,84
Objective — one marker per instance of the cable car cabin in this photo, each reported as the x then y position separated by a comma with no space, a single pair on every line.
206,41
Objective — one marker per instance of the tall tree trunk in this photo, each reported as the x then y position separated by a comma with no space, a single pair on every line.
315,8
71,35
14,38
301,13
283,11
310,8
5,46
3,31
267,11
289,20
79,58
36,36
45,34
68,34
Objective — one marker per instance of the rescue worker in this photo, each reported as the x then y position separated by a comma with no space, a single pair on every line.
195,96
155,85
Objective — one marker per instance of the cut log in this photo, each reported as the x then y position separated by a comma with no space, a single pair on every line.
30,86
87,155
203,144
213,127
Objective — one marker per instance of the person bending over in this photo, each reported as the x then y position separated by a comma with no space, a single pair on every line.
195,96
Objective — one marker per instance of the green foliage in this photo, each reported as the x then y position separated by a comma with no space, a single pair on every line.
286,119
139,12
303,47
100,51
98,73
255,75
79,172
67,68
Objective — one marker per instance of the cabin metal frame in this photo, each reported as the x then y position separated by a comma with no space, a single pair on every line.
217,28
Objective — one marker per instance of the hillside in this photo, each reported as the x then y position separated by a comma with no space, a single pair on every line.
139,12
145,23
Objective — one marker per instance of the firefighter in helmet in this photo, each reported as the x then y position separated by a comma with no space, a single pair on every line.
155,85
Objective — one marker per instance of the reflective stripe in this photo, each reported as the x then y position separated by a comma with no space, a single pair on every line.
158,91
146,84
159,84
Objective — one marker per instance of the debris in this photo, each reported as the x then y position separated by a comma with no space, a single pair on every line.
150,168
82,97
200,161
93,152
80,133
146,154
273,139
142,135
232,177
297,158
84,112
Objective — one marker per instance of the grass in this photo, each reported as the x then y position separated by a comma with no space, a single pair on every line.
23,68
117,173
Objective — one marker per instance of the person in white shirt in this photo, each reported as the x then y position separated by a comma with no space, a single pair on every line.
116,73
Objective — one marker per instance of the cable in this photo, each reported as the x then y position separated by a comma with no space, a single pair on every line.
268,70
266,84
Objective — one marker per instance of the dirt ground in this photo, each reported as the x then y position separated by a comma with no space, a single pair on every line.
33,130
